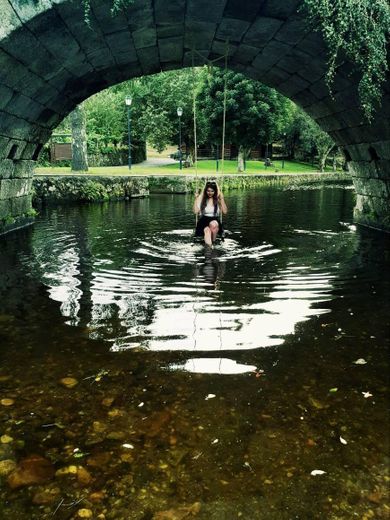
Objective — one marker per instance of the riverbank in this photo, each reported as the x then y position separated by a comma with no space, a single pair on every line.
95,188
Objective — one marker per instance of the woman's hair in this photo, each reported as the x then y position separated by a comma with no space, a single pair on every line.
213,186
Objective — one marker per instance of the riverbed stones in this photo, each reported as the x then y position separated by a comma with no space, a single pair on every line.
6,467
31,470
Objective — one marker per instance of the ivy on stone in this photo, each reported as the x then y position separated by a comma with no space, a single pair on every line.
360,31
116,6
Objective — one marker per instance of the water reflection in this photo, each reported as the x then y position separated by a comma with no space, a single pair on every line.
160,291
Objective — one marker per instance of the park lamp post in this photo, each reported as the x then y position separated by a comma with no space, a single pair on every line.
180,113
284,148
128,101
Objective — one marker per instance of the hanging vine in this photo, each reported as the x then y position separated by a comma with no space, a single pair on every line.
359,30
116,6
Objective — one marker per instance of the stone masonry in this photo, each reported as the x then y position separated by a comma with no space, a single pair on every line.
50,61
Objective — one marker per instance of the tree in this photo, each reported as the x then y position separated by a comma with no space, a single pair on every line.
79,140
358,30
255,114
309,138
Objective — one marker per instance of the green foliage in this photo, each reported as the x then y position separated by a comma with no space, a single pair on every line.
116,6
31,213
8,220
305,138
358,30
93,191
255,113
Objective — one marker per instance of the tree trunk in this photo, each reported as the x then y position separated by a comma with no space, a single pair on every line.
323,155
79,140
241,159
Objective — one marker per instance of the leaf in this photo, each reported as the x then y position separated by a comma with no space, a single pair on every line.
210,396
343,441
333,390
367,394
360,361
316,472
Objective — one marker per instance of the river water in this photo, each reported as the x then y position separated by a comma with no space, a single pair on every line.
247,381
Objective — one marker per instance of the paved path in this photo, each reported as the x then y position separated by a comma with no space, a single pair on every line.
157,161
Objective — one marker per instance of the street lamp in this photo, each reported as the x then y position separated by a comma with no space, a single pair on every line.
284,148
180,113
128,101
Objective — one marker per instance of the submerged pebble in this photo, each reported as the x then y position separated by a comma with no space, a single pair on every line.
6,467
68,382
7,402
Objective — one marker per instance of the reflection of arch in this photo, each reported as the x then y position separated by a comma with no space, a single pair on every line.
51,61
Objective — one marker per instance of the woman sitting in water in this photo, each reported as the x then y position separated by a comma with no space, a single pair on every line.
209,205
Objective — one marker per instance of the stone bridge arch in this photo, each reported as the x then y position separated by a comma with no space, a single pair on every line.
50,61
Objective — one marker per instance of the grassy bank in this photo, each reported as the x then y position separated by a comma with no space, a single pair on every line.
204,167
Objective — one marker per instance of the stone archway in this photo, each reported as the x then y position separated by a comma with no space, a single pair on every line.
50,61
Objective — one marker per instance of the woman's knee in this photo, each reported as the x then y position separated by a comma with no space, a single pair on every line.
214,226
207,230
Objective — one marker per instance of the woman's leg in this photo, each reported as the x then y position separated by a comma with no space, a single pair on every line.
207,236
214,228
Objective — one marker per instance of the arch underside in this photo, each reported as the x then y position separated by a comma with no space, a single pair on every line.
50,60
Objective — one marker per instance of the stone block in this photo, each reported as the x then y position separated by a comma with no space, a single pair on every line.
12,72
315,71
169,12
120,43
383,169
149,60
382,149
4,147
141,14
204,10
319,89
276,76
330,123
5,208
106,20
172,30
9,19
363,169
219,49
262,31
313,44
28,10
359,152
6,95
7,190
53,34
270,55
21,205
292,31
232,29
199,36
145,37
280,9
240,10
245,54
24,169
293,85
171,49
305,98
7,167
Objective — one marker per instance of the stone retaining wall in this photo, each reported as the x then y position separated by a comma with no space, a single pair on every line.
87,188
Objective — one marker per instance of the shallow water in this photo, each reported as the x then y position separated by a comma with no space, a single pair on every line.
210,383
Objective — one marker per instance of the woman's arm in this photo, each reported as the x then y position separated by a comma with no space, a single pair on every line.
222,203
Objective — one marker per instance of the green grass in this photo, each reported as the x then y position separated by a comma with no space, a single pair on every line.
230,167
